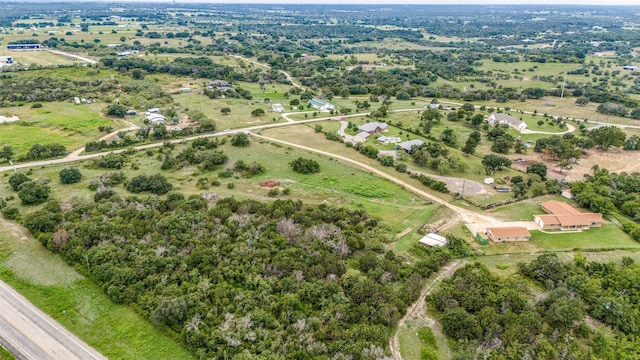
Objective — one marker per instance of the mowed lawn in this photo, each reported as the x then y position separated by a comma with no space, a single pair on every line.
608,236
58,122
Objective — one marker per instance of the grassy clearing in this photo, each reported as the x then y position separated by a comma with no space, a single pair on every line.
409,340
62,122
608,236
524,210
414,221
42,277
42,58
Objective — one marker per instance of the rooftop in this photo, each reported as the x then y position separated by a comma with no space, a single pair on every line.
558,207
511,231
372,126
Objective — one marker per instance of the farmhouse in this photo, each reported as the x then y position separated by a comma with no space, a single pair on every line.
321,105
562,216
433,240
507,234
219,84
496,119
373,127
408,145
24,47
155,118
277,108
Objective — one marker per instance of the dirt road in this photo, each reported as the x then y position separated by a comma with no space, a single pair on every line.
466,216
417,309
85,59
29,333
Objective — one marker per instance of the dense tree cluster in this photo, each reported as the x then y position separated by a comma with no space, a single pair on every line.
498,318
279,280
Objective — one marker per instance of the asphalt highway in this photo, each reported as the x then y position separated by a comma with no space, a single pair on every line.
28,333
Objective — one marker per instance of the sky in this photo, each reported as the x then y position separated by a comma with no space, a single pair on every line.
428,2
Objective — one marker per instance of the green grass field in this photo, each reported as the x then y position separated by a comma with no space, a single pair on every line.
62,122
608,236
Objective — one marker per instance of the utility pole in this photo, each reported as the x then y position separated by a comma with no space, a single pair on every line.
564,81
464,182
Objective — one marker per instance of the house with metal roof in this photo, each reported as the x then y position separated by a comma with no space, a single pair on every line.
433,240
320,104
374,127
408,145
497,119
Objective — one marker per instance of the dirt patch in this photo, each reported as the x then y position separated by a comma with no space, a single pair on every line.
403,233
615,160
269,183
8,119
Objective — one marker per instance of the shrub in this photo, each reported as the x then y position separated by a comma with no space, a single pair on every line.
116,110
231,185
156,184
401,168
10,213
32,193
17,179
70,176
273,192
257,112
305,166
240,140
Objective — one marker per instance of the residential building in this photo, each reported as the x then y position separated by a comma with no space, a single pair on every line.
155,118
219,84
361,137
408,145
433,240
320,104
497,119
277,108
562,216
373,127
508,234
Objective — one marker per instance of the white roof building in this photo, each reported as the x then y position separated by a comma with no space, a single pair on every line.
433,240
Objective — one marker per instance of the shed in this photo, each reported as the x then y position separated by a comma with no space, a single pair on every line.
433,240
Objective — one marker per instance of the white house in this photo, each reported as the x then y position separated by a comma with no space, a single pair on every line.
277,108
513,122
321,105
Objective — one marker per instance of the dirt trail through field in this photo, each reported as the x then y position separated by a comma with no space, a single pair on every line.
417,309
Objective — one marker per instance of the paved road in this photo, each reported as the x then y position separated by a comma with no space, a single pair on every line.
29,333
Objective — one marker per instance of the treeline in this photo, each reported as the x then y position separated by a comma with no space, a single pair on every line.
493,317
279,280
608,193
19,87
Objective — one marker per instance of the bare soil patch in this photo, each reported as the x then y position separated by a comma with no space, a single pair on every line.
269,183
